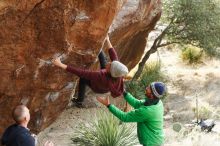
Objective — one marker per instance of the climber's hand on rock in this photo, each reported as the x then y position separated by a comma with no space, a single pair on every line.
108,42
107,39
58,63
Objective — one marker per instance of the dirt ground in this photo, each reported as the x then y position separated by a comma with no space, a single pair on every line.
185,84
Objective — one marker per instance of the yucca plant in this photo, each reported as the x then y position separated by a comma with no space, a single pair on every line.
151,73
105,130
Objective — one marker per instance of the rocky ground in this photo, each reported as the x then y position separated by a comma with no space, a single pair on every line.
185,84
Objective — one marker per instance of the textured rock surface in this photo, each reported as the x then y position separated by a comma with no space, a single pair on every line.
32,32
131,27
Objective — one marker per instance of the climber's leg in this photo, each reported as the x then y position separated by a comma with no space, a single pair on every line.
102,59
81,92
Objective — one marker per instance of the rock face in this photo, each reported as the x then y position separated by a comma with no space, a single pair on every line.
32,32
131,27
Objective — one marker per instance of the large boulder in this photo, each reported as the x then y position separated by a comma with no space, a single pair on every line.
32,32
131,27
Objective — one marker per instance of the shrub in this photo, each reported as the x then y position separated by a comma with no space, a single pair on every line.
204,112
105,130
192,54
151,73
136,89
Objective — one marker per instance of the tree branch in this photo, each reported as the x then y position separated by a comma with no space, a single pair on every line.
152,50
166,44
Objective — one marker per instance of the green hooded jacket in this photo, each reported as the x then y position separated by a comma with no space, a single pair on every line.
149,120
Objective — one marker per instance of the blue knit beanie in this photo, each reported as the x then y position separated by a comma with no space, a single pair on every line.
158,89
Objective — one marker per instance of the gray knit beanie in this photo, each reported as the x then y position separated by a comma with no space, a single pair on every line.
118,69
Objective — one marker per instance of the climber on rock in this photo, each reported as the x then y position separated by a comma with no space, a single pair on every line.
108,79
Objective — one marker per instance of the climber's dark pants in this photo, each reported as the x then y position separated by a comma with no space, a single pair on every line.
83,82
102,60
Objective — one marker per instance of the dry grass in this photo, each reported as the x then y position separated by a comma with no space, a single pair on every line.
193,137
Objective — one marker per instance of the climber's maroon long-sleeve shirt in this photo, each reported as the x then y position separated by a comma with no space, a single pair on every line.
101,81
